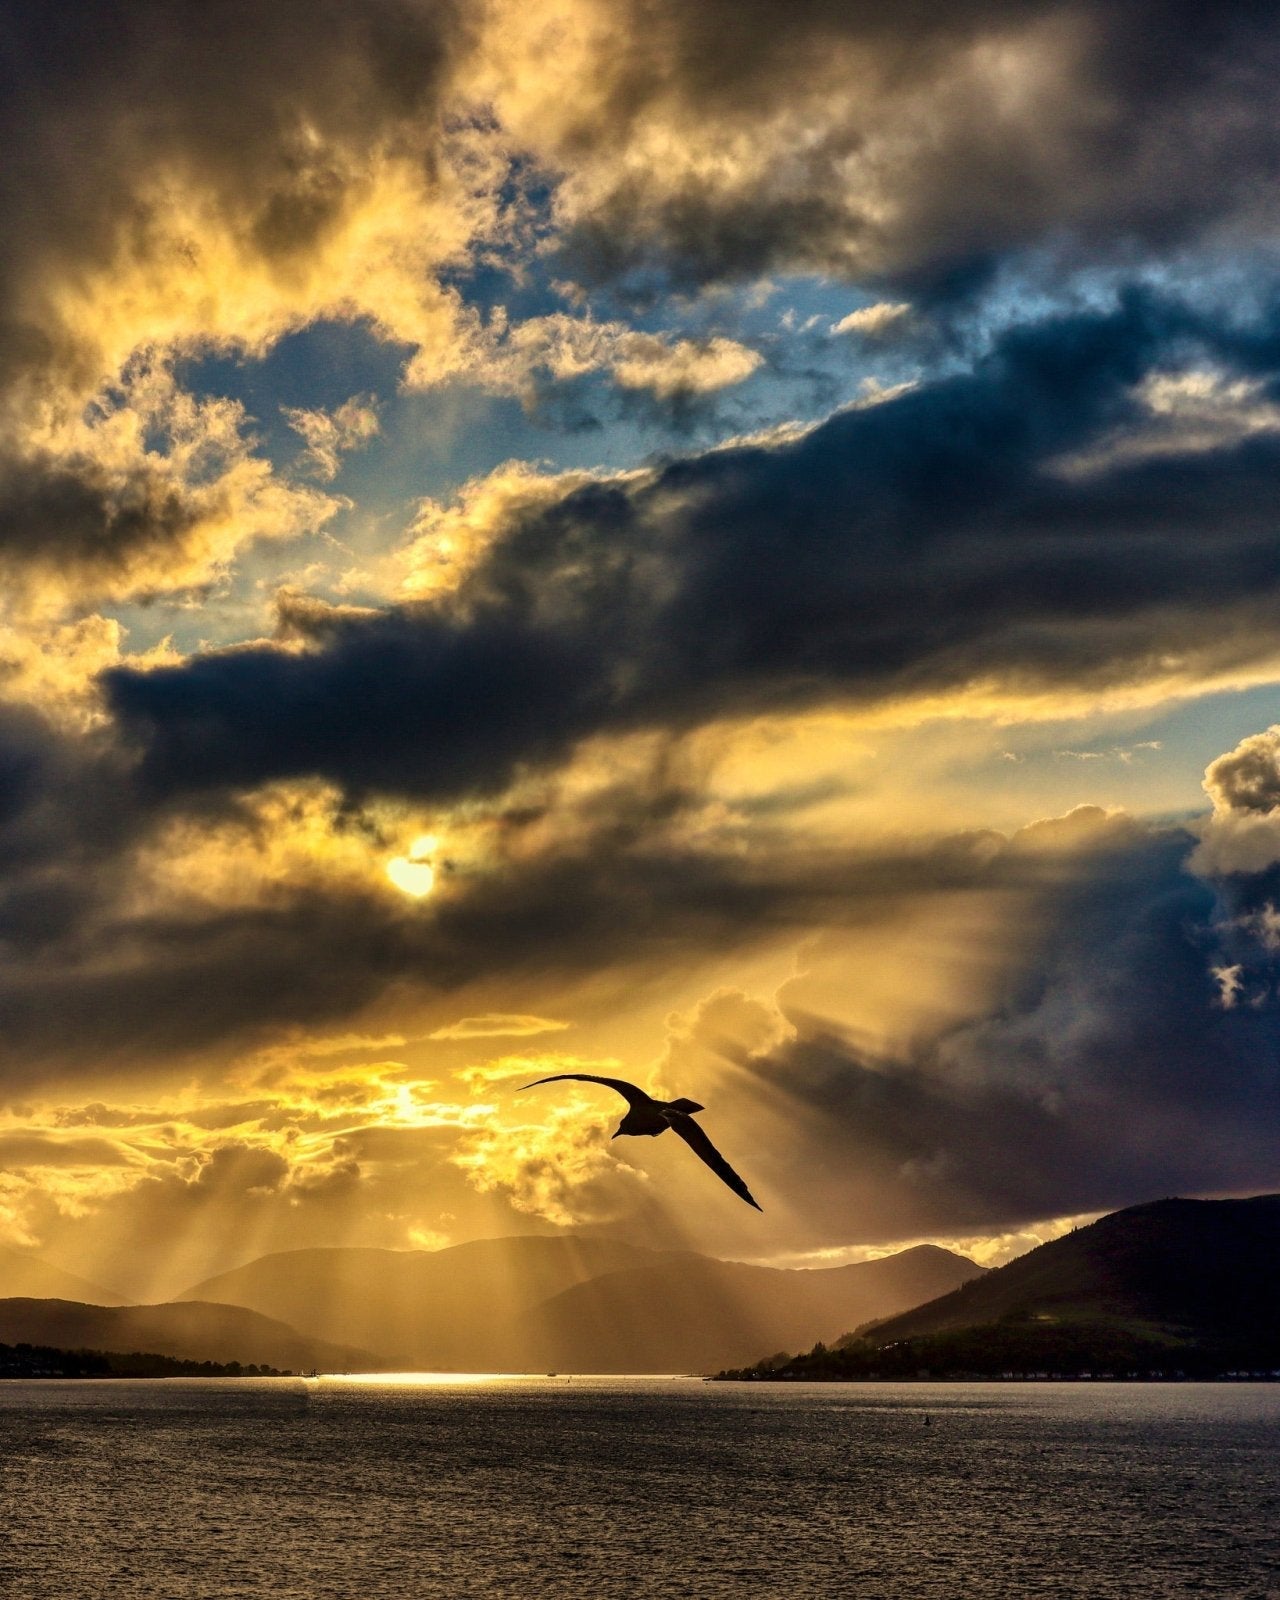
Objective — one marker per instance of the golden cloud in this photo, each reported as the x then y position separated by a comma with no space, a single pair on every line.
126,517
52,666
509,357
447,541
559,1168
329,435
498,1025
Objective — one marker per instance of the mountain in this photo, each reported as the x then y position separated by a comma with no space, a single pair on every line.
686,1313
25,1275
570,1304
1176,1287
189,1332
419,1309
1202,1269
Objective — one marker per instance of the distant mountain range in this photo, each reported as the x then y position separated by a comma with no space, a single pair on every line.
502,1305
189,1332
429,1309
28,1275
1186,1286
1175,1286
572,1305
678,1313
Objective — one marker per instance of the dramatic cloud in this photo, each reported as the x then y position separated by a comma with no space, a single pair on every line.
1242,836
379,693
186,170
700,141
1247,779
1101,1067
187,177
150,490
921,548
214,936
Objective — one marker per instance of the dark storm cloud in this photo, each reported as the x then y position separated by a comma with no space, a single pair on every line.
914,547
920,143
66,814
55,511
1105,1072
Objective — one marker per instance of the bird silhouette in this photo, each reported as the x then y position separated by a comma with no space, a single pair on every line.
647,1117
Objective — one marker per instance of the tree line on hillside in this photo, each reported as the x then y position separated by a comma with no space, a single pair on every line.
1017,1349
43,1361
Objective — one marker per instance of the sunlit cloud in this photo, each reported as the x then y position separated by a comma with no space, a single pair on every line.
53,665
988,1250
146,490
559,1168
511,357
504,1071
872,322
498,1025
447,541
329,435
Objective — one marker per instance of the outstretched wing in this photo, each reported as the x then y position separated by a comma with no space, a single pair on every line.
629,1092
698,1142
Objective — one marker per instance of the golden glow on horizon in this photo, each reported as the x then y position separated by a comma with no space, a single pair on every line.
457,1380
427,1380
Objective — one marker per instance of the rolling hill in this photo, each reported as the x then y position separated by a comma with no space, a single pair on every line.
189,1332
572,1304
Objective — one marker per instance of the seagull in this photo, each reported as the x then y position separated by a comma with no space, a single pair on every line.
650,1117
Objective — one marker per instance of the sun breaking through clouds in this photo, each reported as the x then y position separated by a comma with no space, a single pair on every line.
728,544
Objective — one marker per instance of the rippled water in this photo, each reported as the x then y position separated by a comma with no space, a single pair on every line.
370,1490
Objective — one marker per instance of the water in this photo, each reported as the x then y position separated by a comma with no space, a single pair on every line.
542,1489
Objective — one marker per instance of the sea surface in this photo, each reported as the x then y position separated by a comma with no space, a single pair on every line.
551,1487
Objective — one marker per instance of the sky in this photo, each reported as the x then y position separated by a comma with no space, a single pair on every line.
728,545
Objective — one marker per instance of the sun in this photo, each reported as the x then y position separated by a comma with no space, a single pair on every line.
414,874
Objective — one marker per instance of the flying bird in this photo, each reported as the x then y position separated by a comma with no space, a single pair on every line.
648,1117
